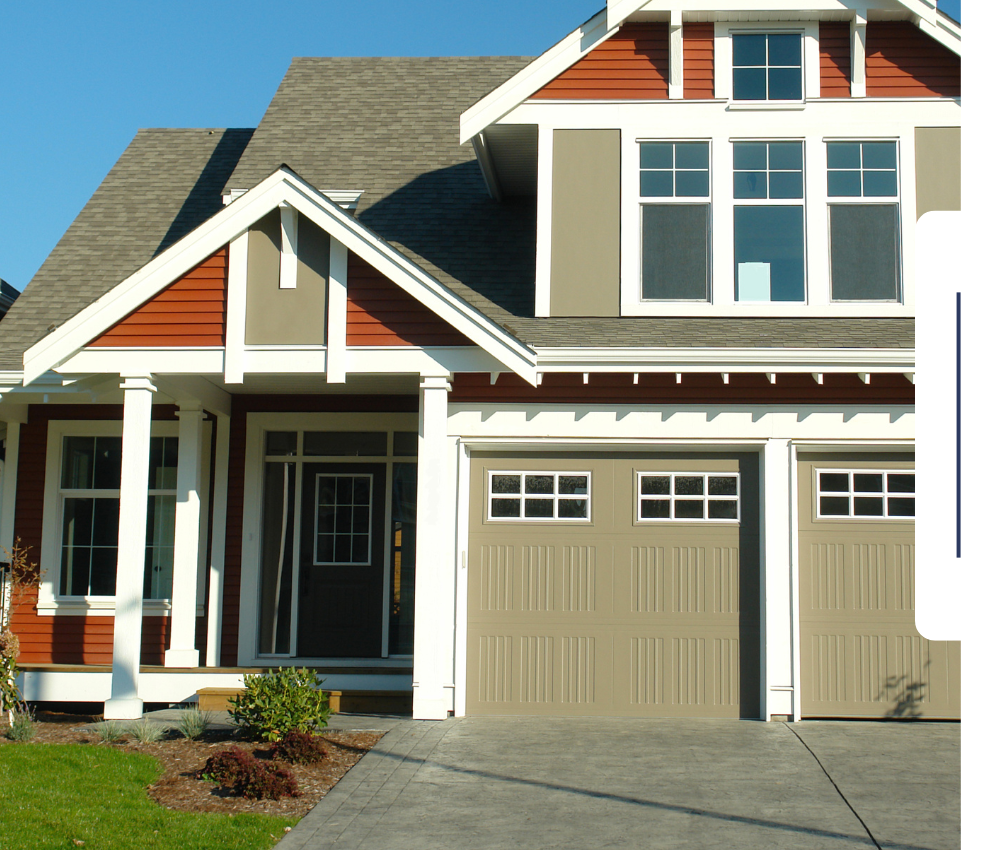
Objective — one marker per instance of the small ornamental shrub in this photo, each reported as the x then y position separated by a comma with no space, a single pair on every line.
146,731
298,748
276,703
111,731
192,723
250,777
22,724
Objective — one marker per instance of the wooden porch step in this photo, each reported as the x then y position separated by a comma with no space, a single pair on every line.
354,702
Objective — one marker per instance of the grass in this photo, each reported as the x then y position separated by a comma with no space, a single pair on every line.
66,795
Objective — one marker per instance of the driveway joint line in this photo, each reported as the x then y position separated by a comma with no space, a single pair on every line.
835,786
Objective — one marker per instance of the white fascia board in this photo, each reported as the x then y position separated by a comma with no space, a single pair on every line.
619,10
160,361
284,186
724,360
528,80
943,30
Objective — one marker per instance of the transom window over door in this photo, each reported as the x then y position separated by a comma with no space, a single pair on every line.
675,190
864,220
767,66
769,223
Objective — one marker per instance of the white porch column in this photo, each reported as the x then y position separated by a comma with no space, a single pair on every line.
8,494
125,703
776,545
433,642
187,534
217,557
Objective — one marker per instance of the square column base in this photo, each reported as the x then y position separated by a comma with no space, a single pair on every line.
123,709
180,658
430,707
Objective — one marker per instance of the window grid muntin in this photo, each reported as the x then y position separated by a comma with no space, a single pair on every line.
852,493
767,66
695,200
522,496
673,497
352,533
158,446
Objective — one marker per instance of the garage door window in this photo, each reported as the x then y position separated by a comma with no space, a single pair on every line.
866,494
687,496
537,496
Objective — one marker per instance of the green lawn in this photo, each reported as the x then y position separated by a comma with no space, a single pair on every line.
54,794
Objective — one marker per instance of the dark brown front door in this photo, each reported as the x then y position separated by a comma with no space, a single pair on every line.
342,570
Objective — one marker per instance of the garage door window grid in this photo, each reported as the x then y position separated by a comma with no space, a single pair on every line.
688,496
865,494
539,496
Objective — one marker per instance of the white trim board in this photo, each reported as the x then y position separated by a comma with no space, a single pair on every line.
282,187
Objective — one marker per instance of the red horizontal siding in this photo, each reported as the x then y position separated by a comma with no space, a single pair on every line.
699,61
189,312
694,388
380,313
62,639
901,61
631,65
834,60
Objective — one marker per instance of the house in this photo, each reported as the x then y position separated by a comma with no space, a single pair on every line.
7,296
574,385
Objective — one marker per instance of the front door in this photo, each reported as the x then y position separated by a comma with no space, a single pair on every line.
342,560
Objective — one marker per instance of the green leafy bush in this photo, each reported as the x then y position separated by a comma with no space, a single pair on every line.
250,777
276,703
298,748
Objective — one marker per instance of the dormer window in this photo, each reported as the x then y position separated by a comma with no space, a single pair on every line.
767,66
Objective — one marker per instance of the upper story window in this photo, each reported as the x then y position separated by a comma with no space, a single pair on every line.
769,221
675,210
863,192
767,66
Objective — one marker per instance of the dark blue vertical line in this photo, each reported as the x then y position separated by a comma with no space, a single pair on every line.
958,424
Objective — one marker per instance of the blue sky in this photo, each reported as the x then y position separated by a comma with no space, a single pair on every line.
80,78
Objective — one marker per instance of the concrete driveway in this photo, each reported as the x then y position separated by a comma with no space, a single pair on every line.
533,783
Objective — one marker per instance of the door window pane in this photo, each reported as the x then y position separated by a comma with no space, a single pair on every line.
276,558
339,500
404,547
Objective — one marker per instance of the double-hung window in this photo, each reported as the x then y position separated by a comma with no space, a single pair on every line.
675,213
89,482
863,192
767,66
769,221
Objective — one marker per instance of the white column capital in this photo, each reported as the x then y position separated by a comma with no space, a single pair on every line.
435,382
138,382
189,409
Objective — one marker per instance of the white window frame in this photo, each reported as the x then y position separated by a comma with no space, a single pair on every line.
802,202
862,199
704,498
50,601
665,201
371,508
850,494
725,30
554,497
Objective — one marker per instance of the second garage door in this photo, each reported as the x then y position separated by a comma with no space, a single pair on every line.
615,586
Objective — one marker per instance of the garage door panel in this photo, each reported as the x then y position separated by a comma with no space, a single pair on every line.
861,653
613,616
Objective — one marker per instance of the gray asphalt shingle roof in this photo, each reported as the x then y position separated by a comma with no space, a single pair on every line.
388,126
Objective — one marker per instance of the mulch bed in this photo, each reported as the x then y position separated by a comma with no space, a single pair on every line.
179,786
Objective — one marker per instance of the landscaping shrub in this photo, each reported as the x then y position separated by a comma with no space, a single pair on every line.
276,703
192,723
111,731
22,724
250,777
298,748
147,732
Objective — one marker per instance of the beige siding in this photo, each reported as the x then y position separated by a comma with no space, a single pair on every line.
939,168
586,223
861,653
286,316
613,616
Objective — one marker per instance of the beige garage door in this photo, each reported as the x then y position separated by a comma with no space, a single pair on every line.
614,586
861,653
